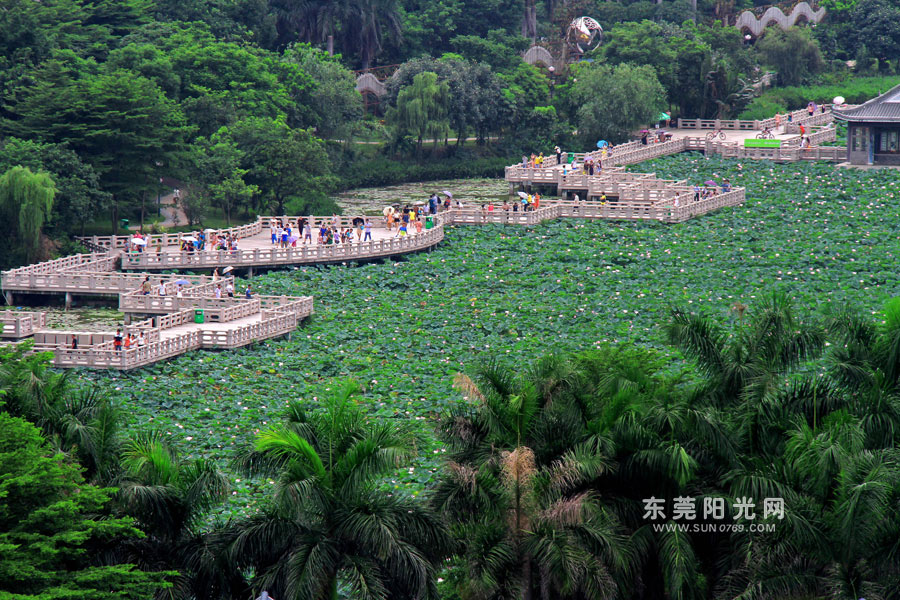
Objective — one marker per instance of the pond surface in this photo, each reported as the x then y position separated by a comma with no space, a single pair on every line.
84,319
371,201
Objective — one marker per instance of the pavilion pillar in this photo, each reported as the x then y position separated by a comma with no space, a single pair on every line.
8,296
68,300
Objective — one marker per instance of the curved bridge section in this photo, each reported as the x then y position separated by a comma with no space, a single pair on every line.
367,82
539,55
775,16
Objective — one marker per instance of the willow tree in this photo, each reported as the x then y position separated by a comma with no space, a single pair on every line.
26,199
422,109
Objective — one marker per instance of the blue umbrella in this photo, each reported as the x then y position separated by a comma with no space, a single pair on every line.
602,143
182,282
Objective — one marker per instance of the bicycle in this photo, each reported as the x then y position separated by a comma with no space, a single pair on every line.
712,135
765,135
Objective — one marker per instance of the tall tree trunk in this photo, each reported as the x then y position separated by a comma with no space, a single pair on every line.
143,211
526,580
529,20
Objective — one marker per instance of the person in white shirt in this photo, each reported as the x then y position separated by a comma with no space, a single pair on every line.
219,290
162,288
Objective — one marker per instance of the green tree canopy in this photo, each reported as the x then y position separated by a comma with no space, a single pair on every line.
876,26
334,100
286,165
793,53
55,531
328,521
421,110
612,102
26,199
120,123
79,197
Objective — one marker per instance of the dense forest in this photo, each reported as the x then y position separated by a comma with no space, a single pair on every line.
109,104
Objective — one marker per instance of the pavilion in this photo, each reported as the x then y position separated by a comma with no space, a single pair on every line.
873,130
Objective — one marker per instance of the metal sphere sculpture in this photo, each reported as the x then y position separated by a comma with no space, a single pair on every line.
583,35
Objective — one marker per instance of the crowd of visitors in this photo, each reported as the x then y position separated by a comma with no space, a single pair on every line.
121,341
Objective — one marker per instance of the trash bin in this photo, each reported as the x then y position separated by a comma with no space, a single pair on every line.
198,315
429,222
123,224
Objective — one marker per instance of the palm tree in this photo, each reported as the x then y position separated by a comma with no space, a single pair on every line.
360,25
169,497
328,521
750,360
365,23
81,424
517,487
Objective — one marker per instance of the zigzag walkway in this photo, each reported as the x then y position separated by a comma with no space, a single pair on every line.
169,323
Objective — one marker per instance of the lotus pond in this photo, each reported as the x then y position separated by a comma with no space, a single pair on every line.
826,235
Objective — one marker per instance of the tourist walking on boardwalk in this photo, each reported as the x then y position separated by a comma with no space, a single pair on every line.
558,151
218,290
368,229
248,293
117,341
145,286
74,342
162,288
229,289
307,233
274,231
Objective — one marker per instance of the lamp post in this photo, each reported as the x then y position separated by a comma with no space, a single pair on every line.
158,191
552,71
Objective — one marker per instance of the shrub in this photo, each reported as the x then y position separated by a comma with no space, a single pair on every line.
762,108
854,91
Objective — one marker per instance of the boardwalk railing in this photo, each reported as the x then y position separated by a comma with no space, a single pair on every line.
19,324
285,256
737,124
89,283
784,154
55,266
105,357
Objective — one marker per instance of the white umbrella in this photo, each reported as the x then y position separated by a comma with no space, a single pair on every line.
418,203
139,241
522,194
209,229
188,239
448,194
839,100
388,210
227,269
